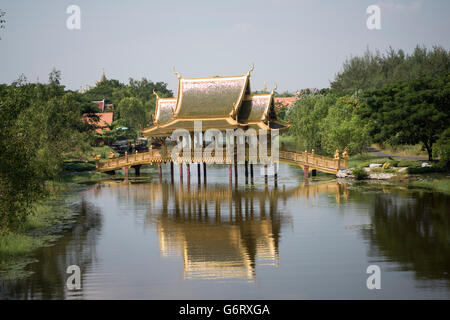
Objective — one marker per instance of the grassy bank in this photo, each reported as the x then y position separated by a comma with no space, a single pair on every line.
433,178
437,182
50,218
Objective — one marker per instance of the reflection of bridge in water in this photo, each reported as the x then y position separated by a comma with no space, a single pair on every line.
220,232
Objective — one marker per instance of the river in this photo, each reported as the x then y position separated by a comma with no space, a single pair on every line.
301,239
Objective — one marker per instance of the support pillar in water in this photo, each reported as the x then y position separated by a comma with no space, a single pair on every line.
275,173
246,172
204,172
188,172
266,179
126,171
204,163
306,171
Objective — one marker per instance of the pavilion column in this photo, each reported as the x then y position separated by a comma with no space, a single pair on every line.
230,173
181,172
198,173
251,172
235,161
171,171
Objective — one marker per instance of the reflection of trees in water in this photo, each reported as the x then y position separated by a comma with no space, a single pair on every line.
414,230
75,247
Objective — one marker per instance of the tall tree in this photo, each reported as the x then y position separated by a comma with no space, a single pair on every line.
409,112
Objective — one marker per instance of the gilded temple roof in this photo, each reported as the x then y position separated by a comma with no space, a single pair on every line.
218,102
255,108
164,109
218,97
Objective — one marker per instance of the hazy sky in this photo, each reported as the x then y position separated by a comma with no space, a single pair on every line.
296,44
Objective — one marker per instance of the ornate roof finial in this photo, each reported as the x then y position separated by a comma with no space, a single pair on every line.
274,88
103,75
176,73
251,69
156,94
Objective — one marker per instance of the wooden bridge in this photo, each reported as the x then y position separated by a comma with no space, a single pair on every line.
218,103
307,160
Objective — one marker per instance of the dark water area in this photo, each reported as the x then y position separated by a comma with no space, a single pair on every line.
304,239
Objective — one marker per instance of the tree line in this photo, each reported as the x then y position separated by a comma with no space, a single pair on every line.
390,98
134,104
41,125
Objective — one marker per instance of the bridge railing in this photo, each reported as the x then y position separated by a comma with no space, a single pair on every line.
165,154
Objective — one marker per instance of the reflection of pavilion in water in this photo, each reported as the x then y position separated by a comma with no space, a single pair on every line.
219,231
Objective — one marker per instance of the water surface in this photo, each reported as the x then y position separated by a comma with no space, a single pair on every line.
303,239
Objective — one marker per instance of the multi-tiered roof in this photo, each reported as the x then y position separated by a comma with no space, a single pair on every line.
219,102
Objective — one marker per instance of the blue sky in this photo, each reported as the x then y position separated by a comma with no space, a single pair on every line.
296,44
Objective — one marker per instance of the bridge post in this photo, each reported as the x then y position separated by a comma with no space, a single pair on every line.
345,157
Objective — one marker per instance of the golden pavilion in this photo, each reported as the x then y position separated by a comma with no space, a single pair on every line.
219,102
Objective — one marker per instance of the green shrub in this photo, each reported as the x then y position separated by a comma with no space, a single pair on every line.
360,174
394,163
409,163
413,170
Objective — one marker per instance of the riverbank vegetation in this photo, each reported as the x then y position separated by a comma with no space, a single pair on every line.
44,135
391,99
